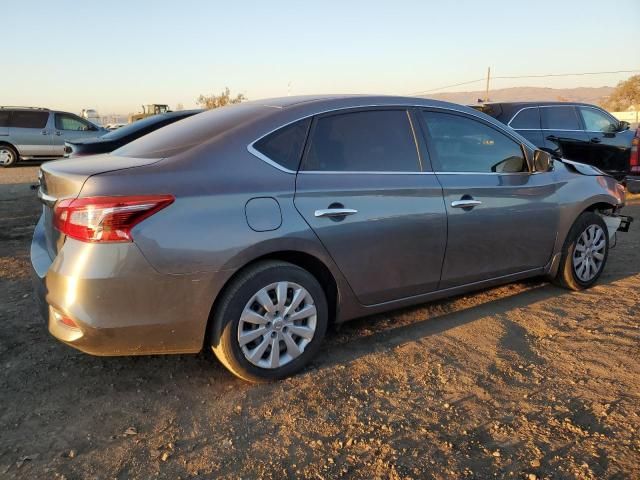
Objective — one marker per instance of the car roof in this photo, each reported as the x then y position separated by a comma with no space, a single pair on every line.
531,103
11,107
347,100
257,118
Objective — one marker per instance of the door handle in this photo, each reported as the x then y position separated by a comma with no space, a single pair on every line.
465,203
552,138
58,133
44,132
595,140
335,212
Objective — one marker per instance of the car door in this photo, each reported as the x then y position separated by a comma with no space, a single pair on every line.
29,131
70,127
563,132
610,148
364,189
502,219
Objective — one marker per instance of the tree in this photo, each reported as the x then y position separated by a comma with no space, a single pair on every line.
179,107
625,95
215,101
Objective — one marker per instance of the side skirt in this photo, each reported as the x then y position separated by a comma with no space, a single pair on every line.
357,311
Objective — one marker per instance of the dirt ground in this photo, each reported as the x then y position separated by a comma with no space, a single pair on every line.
522,381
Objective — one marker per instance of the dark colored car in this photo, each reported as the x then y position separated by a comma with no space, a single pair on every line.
575,131
117,138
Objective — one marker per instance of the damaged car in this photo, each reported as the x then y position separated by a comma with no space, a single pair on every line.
249,229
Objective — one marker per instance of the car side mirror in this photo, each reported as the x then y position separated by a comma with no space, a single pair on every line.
542,161
623,125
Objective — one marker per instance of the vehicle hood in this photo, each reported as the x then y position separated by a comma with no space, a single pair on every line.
583,168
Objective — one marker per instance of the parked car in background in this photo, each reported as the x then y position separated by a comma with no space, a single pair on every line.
28,133
249,228
117,138
91,115
575,131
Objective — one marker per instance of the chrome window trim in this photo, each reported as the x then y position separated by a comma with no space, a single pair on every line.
266,159
356,172
557,130
252,150
518,113
574,105
337,172
485,173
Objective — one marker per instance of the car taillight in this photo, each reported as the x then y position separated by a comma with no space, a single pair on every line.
634,161
106,219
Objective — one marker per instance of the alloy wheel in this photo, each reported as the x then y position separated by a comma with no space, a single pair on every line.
276,325
589,253
6,156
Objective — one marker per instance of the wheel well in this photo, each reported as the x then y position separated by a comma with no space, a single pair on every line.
303,260
10,145
600,207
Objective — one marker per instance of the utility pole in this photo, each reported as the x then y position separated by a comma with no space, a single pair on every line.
486,95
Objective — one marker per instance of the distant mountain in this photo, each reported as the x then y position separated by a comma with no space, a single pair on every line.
581,94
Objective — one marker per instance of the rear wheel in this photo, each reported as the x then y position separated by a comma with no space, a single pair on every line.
584,254
269,322
8,156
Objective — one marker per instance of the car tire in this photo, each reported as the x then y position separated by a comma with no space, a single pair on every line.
584,254
274,302
8,156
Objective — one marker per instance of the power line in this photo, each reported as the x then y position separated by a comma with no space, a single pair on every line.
567,74
504,77
447,86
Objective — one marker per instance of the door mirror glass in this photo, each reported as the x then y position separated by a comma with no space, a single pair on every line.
542,161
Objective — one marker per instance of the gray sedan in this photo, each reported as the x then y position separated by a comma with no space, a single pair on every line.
249,229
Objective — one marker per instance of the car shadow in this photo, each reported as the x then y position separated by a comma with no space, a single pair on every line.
340,348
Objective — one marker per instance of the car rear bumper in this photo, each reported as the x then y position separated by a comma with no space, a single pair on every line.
118,302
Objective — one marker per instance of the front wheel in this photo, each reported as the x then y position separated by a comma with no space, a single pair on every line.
584,254
269,322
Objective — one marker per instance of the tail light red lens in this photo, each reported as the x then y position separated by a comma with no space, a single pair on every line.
634,161
106,219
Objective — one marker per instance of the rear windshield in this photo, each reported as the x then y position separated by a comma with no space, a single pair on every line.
149,122
182,136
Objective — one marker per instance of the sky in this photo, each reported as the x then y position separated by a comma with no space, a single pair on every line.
115,55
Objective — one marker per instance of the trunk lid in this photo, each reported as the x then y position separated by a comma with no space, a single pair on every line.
62,179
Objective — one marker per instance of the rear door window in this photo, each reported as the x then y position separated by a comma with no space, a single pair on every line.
284,146
364,141
462,144
28,119
560,118
526,119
